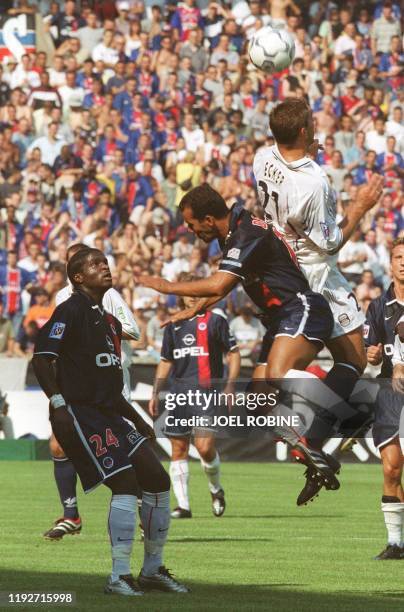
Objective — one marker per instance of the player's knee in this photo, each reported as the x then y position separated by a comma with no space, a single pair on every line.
206,449
55,449
392,471
179,449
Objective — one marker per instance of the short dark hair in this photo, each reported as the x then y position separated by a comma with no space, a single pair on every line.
287,119
76,263
203,201
75,248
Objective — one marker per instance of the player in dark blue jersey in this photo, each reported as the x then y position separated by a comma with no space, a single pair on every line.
98,429
382,317
192,357
254,254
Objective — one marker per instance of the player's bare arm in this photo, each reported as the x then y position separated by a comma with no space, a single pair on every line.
163,370
182,315
125,409
45,373
216,286
367,198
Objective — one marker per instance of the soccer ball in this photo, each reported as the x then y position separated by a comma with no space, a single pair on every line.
271,50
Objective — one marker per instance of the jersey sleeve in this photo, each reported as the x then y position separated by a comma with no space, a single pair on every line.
52,336
114,303
237,254
167,349
224,335
372,330
314,216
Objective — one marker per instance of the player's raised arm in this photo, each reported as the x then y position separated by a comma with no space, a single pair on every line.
367,198
216,286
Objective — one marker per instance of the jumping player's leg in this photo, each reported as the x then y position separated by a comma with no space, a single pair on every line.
155,485
210,462
349,355
66,482
179,474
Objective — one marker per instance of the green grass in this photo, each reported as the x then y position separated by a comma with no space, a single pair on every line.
263,554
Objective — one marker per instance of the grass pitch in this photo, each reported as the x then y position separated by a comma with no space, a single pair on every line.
263,554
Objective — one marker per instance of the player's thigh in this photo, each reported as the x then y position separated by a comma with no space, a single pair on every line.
392,460
179,448
259,371
289,353
55,449
349,348
150,474
206,446
124,483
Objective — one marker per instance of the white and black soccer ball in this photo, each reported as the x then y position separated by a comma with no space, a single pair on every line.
271,50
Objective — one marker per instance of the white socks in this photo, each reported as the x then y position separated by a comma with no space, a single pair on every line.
212,471
179,474
121,527
155,515
393,518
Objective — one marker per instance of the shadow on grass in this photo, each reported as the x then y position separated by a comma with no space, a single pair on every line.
276,597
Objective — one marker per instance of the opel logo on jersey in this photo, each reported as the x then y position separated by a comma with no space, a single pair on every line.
188,339
192,351
105,360
202,326
110,343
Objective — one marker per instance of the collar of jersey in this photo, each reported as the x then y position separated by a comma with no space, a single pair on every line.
93,305
294,164
236,212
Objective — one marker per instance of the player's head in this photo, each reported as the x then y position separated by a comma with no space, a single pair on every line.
291,123
73,249
203,210
397,260
89,269
187,302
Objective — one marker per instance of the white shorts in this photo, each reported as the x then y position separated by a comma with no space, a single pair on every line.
331,283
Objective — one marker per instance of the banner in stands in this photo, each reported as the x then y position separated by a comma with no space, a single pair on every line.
17,36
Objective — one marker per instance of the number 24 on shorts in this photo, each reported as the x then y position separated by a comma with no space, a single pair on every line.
110,440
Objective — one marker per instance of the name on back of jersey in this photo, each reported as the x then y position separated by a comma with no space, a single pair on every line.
273,173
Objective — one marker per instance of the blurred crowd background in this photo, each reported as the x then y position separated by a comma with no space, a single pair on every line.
134,103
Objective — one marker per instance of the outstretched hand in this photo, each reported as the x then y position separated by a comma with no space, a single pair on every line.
369,194
153,282
182,315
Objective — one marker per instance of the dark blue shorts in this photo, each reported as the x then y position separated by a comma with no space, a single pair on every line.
180,420
308,315
101,444
389,405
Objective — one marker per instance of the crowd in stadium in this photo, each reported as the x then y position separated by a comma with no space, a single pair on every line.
141,101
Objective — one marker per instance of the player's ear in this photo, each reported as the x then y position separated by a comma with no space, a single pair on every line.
78,278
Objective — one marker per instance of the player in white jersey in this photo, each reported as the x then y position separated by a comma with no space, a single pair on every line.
64,472
299,201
